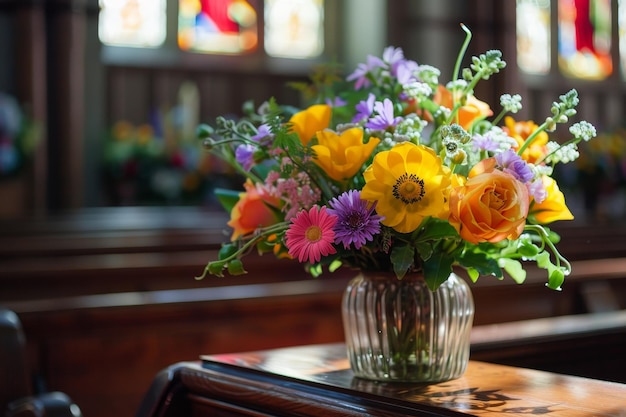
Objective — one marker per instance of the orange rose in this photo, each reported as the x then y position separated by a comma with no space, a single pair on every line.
490,207
472,111
553,207
255,208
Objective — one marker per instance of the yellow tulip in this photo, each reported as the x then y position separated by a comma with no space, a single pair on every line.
341,156
306,122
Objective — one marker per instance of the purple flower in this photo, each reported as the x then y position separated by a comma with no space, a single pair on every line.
364,109
384,118
509,161
244,154
336,102
264,135
537,190
356,222
394,58
405,71
484,143
363,70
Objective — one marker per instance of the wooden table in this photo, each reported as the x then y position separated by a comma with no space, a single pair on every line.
316,381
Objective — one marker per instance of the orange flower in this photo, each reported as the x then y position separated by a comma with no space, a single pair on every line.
553,207
490,207
520,131
472,111
307,122
255,208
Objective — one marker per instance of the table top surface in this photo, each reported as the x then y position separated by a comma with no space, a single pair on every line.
483,389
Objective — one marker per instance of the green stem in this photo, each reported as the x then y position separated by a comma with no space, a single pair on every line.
459,58
532,137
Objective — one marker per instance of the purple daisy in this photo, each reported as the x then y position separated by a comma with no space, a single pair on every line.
364,109
384,118
356,223
264,135
360,74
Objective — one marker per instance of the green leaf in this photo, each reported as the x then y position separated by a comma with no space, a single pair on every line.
473,274
528,250
436,229
227,249
227,198
402,258
481,262
514,269
437,269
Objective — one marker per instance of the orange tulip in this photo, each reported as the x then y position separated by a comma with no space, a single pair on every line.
472,111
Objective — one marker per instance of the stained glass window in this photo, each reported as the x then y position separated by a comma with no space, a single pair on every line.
217,26
294,28
621,18
585,38
135,23
533,36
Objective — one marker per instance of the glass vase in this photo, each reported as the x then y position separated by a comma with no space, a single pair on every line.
400,330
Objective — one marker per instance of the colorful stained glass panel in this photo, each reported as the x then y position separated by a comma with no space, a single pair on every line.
585,38
217,26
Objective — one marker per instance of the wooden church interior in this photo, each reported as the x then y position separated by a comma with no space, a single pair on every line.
101,276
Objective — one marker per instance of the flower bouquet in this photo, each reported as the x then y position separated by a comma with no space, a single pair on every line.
404,179
390,170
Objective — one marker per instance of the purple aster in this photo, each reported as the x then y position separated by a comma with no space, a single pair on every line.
405,71
384,118
356,222
244,154
509,161
393,57
264,135
364,109
363,70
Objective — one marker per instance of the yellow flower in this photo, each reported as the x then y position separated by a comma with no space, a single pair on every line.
342,155
409,183
553,207
306,122
520,131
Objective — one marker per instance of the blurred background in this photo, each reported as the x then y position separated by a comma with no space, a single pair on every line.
106,205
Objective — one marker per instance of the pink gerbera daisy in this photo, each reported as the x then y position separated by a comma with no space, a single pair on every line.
311,234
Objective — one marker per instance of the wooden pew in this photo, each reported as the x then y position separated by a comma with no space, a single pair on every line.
108,298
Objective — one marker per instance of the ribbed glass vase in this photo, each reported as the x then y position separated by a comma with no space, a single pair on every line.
400,330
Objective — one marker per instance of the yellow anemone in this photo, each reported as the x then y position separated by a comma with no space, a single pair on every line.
306,122
553,207
341,156
410,183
